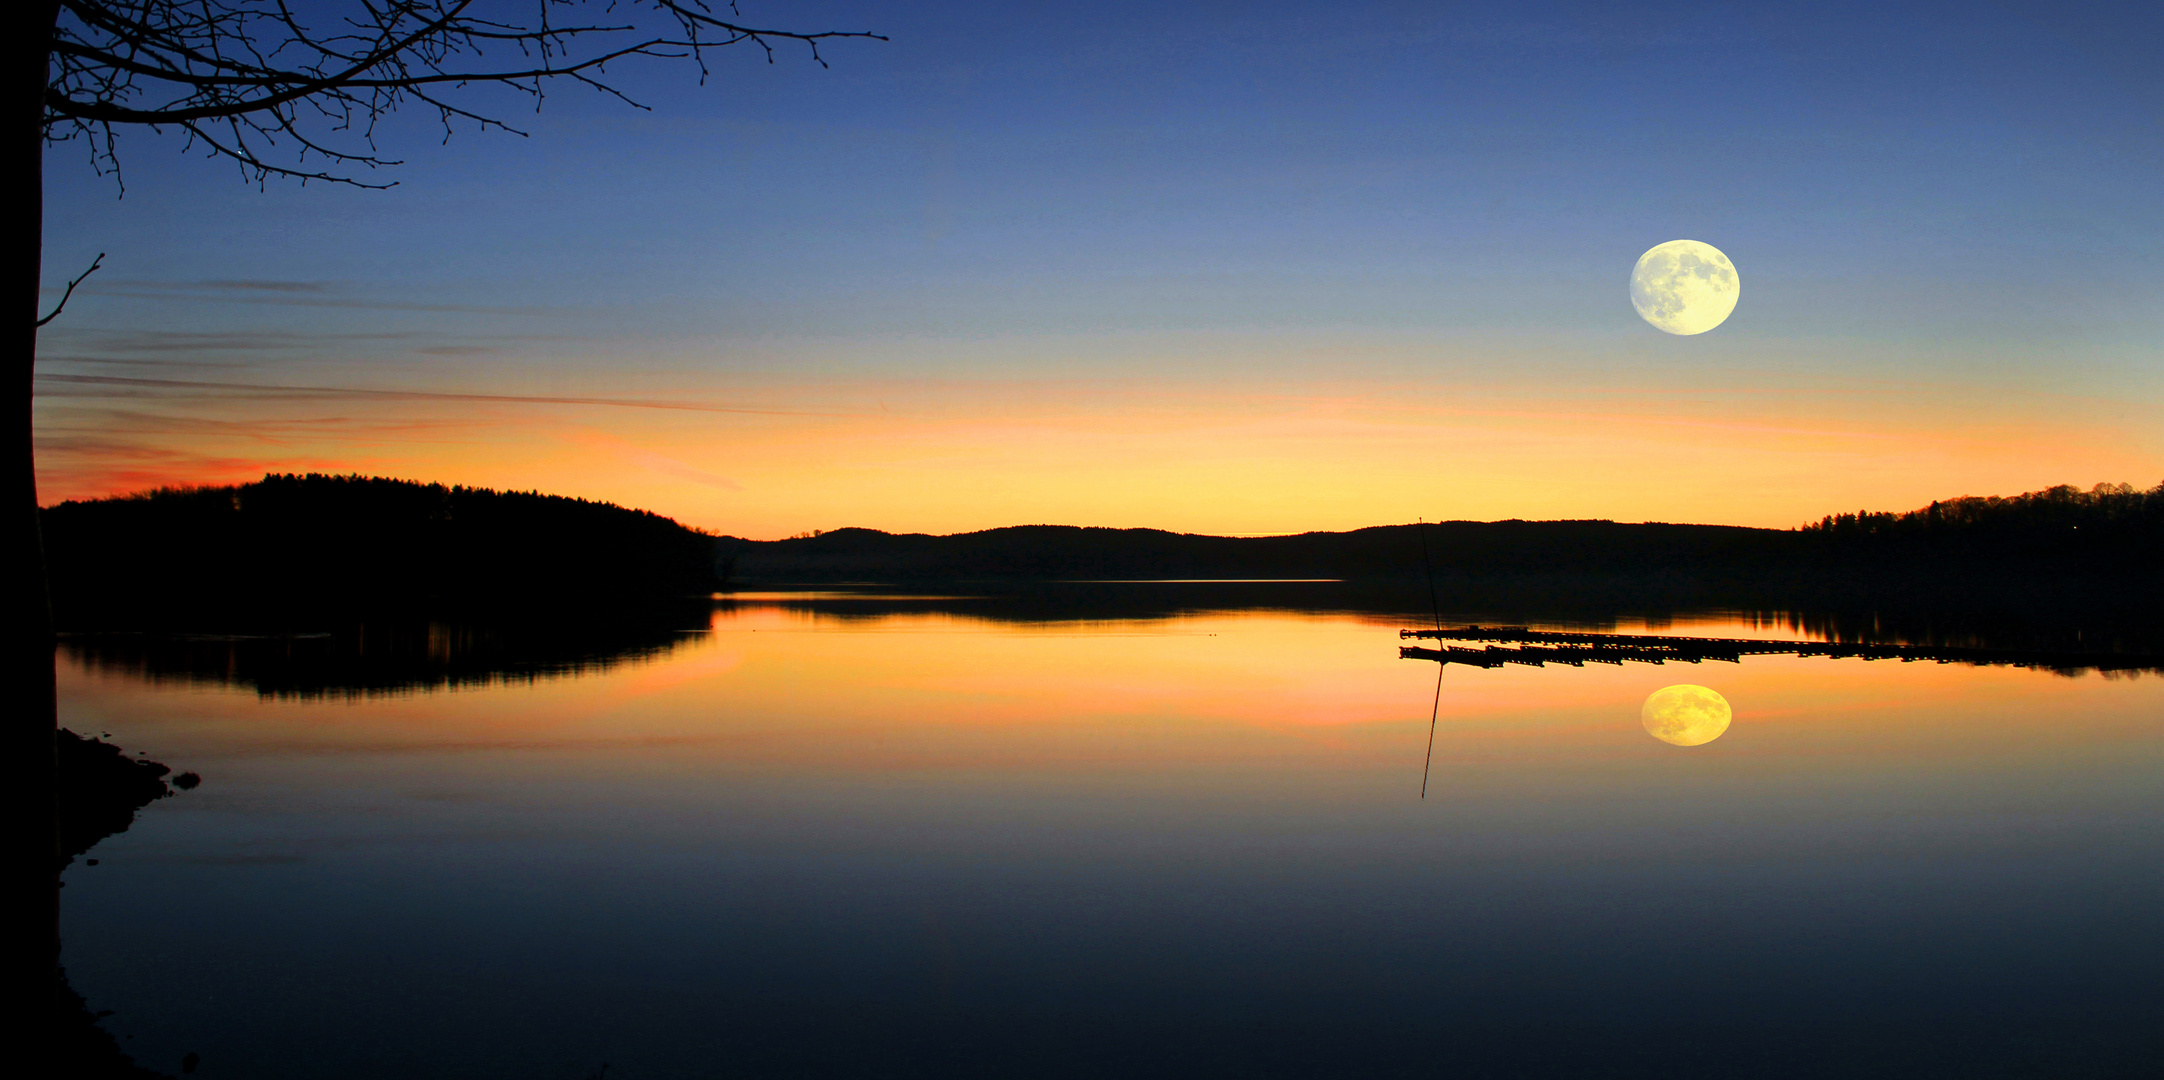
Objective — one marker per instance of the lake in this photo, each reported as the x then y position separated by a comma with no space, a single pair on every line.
829,835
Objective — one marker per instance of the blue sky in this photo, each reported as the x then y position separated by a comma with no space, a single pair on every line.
1953,204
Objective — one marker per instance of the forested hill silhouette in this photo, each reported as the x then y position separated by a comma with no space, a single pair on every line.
286,552
2107,526
2111,529
294,549
1056,552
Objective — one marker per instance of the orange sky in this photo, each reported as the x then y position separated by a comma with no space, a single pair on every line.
766,457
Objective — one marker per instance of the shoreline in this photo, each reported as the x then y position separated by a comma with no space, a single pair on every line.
101,790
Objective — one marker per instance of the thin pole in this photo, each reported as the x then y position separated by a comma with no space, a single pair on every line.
1429,567
1435,708
1432,710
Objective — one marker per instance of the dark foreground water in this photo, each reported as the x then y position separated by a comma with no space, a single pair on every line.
826,838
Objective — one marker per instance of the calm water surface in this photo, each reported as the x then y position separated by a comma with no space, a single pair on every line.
925,844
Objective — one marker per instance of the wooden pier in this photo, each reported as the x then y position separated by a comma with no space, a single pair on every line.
1538,648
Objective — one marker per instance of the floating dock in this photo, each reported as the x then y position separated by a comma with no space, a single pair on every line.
1538,648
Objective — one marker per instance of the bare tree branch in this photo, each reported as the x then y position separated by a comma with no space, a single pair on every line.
259,83
63,304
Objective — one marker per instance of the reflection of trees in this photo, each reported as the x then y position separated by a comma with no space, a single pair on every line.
394,656
1552,602
2067,620
2063,625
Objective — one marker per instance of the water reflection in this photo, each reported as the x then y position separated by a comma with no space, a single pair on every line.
2082,623
1685,714
819,840
392,655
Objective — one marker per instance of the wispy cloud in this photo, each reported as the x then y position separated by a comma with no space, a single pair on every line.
225,348
320,294
166,363
91,384
176,341
258,286
66,429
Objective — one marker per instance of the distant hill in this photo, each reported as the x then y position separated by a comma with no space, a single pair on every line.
2111,529
1055,552
292,549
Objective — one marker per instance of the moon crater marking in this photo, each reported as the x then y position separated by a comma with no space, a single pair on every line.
1685,287
1685,715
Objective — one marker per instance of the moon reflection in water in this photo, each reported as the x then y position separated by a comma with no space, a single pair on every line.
1685,715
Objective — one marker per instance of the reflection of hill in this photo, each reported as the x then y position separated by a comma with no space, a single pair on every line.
1549,602
2077,621
394,656
1069,601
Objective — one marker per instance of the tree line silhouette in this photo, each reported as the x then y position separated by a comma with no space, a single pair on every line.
301,551
2110,523
310,552
2111,529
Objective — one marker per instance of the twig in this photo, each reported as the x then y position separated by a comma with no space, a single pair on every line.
62,305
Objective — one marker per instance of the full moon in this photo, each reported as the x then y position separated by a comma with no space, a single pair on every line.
1685,715
1685,287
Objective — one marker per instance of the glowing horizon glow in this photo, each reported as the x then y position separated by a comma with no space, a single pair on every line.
1284,456
1684,287
1685,715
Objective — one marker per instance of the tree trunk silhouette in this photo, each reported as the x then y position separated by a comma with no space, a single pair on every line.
33,884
